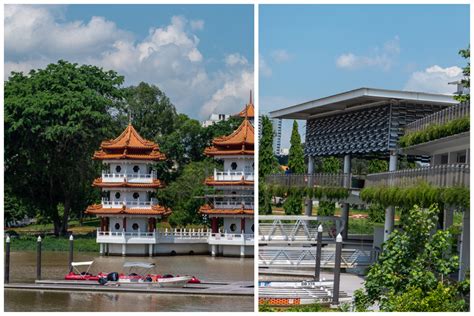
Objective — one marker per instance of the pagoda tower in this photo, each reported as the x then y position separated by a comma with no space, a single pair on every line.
233,198
128,211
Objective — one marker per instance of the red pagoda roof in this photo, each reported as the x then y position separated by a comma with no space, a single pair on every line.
209,210
129,145
240,142
97,209
99,183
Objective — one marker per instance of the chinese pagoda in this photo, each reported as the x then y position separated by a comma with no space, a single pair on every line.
128,207
233,196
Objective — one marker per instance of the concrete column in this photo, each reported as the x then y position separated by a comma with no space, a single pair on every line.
390,211
242,251
448,217
124,250
38,258
345,206
101,245
150,250
309,202
124,223
464,259
242,225
7,260
213,250
71,252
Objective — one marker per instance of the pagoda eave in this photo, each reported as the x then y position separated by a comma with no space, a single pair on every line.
215,152
105,156
156,210
155,185
211,182
209,210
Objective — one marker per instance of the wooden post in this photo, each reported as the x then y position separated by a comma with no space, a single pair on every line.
38,258
7,260
337,270
71,252
319,240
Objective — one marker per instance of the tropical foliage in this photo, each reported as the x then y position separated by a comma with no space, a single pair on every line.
423,195
415,261
433,132
466,81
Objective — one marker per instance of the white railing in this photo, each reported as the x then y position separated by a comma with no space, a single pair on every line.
233,204
129,204
129,177
169,235
232,175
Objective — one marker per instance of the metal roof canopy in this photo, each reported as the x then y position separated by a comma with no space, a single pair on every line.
353,99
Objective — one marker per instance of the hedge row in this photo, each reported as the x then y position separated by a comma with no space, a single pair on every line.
433,132
423,195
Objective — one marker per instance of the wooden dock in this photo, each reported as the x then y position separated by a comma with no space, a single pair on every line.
224,288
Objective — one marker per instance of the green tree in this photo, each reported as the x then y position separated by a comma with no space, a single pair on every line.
151,111
466,81
413,260
296,154
267,163
182,195
54,120
293,204
329,165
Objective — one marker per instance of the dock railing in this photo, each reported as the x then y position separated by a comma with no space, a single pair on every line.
317,179
452,175
439,118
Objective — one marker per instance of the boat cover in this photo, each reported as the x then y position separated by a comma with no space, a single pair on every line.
83,263
146,265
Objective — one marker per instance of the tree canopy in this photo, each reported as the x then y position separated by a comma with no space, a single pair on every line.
296,153
54,119
466,81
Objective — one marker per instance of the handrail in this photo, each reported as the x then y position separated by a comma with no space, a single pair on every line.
303,180
439,175
439,118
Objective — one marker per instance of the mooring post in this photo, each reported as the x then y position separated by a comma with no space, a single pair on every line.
7,260
71,252
337,270
319,240
38,258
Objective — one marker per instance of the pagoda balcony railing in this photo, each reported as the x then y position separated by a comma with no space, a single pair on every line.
129,177
439,118
129,203
230,175
233,204
452,175
316,179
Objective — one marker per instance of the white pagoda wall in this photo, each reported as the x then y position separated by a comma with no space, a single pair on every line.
127,167
243,164
141,221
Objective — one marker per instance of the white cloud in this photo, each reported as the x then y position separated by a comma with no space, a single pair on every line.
225,99
264,68
168,57
235,59
280,55
434,79
197,25
382,59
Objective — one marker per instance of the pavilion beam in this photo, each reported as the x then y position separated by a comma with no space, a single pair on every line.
309,201
390,211
345,205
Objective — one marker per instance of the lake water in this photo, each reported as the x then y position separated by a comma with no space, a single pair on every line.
54,266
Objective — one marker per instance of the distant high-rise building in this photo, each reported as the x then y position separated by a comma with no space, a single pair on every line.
276,123
214,118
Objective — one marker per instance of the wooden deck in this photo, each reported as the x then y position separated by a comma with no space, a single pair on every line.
224,288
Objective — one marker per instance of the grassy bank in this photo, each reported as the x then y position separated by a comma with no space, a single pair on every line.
51,243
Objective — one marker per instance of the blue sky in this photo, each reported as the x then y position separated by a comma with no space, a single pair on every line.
201,56
312,51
